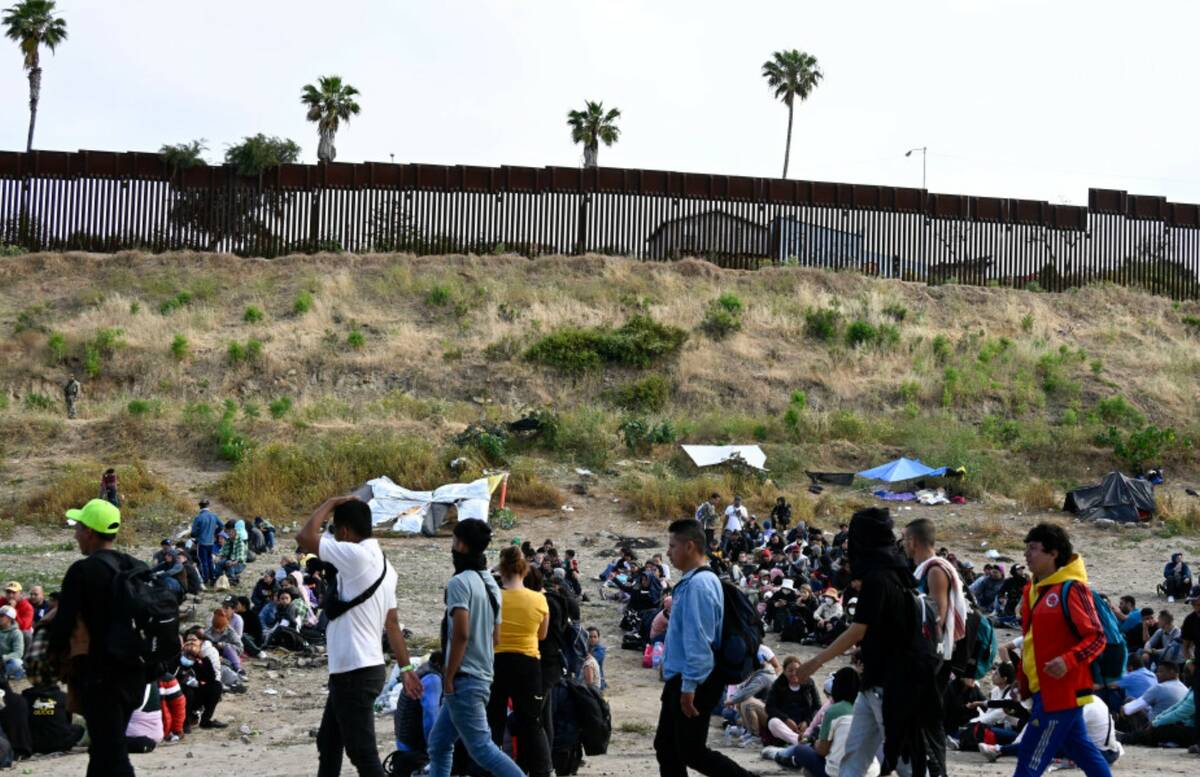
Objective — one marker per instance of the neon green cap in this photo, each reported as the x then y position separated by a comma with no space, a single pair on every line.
98,515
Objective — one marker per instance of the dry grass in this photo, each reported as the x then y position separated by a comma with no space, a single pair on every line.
665,498
149,505
527,487
1180,515
1039,495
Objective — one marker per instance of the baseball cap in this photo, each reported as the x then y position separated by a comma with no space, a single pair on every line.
98,515
13,585
9,611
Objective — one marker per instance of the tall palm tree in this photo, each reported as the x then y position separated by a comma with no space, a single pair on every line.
593,126
32,24
791,74
330,102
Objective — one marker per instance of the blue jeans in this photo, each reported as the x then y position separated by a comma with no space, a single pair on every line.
14,668
464,716
231,568
802,756
204,558
1049,733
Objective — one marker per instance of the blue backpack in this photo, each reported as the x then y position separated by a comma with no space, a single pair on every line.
1109,666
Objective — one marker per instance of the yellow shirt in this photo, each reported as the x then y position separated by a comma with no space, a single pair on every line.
521,614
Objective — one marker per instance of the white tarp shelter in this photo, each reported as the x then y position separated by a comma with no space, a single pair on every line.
708,455
425,511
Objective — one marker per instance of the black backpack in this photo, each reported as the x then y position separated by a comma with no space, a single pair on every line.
741,635
575,648
144,632
592,715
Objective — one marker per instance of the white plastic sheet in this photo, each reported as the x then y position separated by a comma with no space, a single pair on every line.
708,455
407,510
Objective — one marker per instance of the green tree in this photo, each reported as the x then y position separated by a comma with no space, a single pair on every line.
181,156
593,126
329,102
32,24
791,74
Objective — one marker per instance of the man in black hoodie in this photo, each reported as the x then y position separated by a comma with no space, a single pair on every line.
884,624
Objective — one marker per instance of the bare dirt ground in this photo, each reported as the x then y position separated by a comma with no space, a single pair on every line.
284,702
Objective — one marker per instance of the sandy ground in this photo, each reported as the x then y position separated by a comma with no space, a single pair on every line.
280,723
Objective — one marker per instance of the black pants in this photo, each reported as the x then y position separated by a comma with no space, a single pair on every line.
1184,736
202,700
349,723
107,707
519,677
682,742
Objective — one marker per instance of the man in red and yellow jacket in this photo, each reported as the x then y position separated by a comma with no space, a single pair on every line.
1056,658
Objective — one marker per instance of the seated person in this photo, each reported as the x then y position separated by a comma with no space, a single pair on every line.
746,702
811,758
986,589
49,721
145,729
232,560
791,704
1166,643
223,637
414,718
1177,578
1136,636
169,569
1100,730
1135,682
263,589
1137,714
252,630
201,677
1176,725
268,532
12,645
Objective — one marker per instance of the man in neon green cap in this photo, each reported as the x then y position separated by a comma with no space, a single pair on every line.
109,691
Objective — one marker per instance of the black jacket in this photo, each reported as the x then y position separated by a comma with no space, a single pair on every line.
799,706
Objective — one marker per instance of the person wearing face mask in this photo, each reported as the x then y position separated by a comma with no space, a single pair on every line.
470,629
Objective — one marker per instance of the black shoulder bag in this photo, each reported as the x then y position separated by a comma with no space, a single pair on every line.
335,607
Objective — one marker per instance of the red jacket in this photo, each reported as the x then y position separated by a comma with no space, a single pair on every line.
24,610
1049,636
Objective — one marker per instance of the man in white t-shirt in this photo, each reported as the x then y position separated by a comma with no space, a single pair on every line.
735,518
360,610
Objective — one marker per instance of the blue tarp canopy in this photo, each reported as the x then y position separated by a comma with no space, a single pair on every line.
901,469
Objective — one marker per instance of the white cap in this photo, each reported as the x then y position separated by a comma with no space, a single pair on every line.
9,611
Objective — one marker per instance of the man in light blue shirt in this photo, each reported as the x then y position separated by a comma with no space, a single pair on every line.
1136,680
692,688
205,526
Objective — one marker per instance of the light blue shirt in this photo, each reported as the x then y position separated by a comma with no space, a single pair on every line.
205,527
1137,682
697,610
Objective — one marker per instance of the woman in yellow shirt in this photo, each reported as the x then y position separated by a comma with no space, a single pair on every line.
524,620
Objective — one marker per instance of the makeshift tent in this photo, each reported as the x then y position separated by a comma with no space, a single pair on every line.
1117,498
425,511
708,455
901,469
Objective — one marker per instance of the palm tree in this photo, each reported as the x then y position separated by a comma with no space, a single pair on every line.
791,74
329,103
32,24
591,127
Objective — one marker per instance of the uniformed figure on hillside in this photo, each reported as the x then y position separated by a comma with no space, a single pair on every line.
71,395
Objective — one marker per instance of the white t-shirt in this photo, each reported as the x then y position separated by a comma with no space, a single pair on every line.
354,640
734,516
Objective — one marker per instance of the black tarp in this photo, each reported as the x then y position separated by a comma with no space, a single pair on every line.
1117,498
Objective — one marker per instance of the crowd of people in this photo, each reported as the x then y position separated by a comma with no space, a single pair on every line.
850,594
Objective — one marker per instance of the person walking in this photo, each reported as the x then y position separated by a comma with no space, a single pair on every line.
470,628
71,395
706,514
363,610
525,619
1062,638
108,487
692,687
109,691
205,526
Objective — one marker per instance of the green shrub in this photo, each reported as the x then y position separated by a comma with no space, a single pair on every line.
504,349
821,324
584,435
1070,417
454,354
639,342
135,307
36,401
92,361
179,347
356,339
252,315
860,333
182,299
439,295
940,346
236,352
719,322
280,407
231,445
910,390
1027,323
1002,431
251,410
896,312
798,400
1097,366
791,419
646,395
57,345
730,303
303,303
639,434
142,407
887,335
848,425
1191,321
1139,448
1117,411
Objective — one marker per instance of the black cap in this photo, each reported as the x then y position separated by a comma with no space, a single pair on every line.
166,542
203,503
229,601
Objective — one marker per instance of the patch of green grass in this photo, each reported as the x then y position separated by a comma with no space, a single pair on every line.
180,300
251,410
356,339
719,322
56,344
645,395
439,295
639,342
279,407
238,353
303,303
144,407
896,312
36,401
822,324
179,347
1118,411
252,315
940,347
860,333
135,307
730,303
1027,323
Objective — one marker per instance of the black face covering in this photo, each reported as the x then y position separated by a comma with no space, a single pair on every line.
468,561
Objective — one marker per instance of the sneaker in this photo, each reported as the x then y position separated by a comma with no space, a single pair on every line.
990,752
1170,600
750,740
951,742
769,753
172,738
734,731
213,724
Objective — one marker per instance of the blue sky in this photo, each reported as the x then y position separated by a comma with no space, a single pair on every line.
1014,98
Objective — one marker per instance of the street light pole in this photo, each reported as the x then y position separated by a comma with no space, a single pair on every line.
924,155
